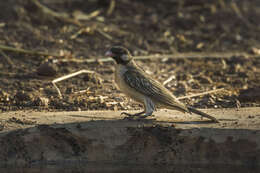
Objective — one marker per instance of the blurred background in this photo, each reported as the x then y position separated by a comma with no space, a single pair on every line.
41,40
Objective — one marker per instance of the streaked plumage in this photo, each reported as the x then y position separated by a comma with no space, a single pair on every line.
138,80
137,84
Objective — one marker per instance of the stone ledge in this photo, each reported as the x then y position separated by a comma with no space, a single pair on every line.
30,138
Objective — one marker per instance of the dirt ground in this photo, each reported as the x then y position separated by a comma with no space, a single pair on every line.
218,45
80,30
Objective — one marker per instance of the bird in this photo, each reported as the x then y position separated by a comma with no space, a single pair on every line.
133,81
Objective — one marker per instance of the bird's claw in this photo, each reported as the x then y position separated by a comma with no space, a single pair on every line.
137,116
132,115
128,114
141,118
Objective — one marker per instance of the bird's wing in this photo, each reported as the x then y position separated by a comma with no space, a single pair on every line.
143,83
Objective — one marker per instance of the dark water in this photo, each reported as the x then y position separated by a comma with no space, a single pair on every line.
131,169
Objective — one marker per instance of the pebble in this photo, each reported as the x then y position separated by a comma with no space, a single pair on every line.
23,96
41,101
47,69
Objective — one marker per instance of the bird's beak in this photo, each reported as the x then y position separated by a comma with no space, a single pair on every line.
109,53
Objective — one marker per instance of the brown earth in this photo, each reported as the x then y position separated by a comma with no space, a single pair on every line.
145,28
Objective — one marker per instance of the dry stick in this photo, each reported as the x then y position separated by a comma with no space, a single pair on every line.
62,16
82,16
24,51
111,7
196,55
68,76
156,56
7,58
65,17
200,94
238,12
49,11
169,80
80,92
107,36
170,56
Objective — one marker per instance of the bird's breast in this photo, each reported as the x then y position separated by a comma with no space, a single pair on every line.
119,76
124,87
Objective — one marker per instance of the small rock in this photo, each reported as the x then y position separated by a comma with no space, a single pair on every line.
50,91
69,90
195,85
251,116
78,126
250,94
87,77
41,101
47,69
204,80
255,50
22,96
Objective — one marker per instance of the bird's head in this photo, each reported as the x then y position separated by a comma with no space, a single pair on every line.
120,54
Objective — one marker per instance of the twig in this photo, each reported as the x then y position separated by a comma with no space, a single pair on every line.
238,12
7,58
81,92
169,79
79,15
201,94
49,11
91,60
62,16
156,56
222,4
170,56
196,55
89,30
111,7
68,76
104,34
31,52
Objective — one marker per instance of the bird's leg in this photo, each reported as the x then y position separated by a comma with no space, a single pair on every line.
149,108
132,116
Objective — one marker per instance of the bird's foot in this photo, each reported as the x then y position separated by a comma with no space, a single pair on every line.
131,115
136,116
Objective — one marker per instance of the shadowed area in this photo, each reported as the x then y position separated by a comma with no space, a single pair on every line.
89,139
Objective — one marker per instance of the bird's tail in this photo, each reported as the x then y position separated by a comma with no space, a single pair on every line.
196,111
